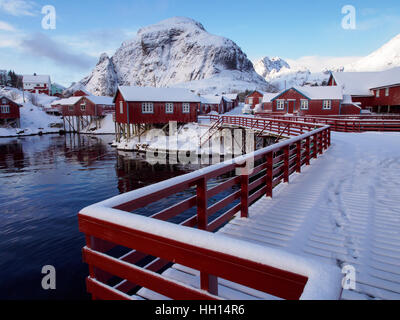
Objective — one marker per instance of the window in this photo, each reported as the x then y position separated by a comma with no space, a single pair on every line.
169,108
121,107
304,105
280,104
147,107
186,107
5,109
71,108
387,92
4,101
327,105
260,100
250,100
83,107
377,93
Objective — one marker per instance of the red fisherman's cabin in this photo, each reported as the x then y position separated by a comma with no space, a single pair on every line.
254,98
37,84
9,113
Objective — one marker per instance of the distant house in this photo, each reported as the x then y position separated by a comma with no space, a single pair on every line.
374,91
234,97
37,83
303,101
254,98
87,106
81,93
215,103
9,113
148,105
57,90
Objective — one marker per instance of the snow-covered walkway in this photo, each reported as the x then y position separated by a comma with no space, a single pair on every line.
343,209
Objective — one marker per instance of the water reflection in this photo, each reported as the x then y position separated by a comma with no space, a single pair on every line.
44,182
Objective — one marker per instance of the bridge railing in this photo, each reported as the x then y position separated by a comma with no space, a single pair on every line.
346,123
125,250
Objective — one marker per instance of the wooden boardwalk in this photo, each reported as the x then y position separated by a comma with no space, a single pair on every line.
338,211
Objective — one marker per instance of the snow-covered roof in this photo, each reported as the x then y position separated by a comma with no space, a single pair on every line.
66,102
151,94
231,96
4,97
101,100
268,97
321,92
361,83
36,78
210,99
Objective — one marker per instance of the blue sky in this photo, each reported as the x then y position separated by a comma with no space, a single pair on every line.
290,29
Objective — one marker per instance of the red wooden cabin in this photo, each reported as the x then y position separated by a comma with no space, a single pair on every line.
216,103
374,91
88,106
254,98
234,97
148,105
81,93
9,113
37,84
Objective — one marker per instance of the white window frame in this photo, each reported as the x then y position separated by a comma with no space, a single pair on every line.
147,107
280,104
121,107
186,107
304,104
71,108
387,92
251,100
4,101
5,109
378,93
327,105
169,108
260,100
83,107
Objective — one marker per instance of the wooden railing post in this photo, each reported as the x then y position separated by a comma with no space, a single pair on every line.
244,196
269,173
320,145
298,157
308,156
286,164
202,204
315,146
208,282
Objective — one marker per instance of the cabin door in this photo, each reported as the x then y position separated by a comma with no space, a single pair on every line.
291,107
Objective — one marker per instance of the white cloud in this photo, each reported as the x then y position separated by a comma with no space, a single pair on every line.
18,7
319,63
4,26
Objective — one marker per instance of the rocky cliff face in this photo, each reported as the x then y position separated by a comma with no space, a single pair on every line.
173,52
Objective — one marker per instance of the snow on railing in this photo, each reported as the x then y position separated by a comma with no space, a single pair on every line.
113,226
361,123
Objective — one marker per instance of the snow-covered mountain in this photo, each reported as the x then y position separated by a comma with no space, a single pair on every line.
269,66
175,52
281,75
386,57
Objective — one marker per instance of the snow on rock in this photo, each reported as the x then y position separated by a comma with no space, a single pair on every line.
386,57
281,75
175,52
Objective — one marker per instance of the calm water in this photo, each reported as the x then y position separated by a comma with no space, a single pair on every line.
44,182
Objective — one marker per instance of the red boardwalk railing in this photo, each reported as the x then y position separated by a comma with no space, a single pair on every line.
346,123
125,251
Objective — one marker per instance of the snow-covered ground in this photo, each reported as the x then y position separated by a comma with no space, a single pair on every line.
33,118
343,209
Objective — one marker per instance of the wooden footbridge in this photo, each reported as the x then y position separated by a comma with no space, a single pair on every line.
134,257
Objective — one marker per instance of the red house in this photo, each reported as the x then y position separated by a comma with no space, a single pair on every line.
9,113
374,91
37,83
92,106
254,98
216,103
234,97
303,101
148,105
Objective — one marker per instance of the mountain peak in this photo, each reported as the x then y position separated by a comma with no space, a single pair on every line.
171,23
